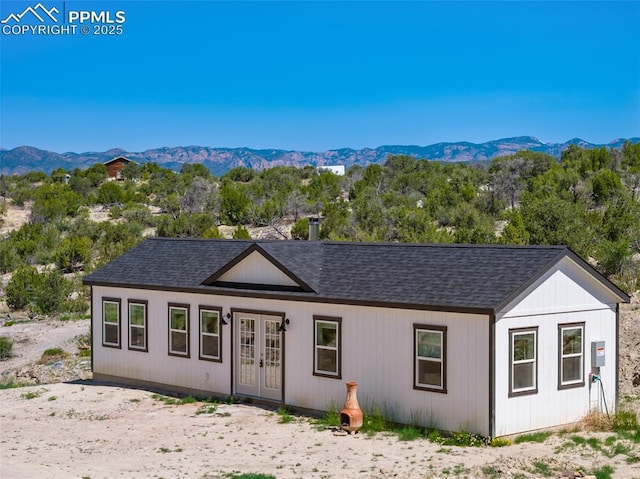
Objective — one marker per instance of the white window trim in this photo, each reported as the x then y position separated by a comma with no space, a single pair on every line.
442,332
533,389
185,331
218,311
574,382
137,326
337,322
118,324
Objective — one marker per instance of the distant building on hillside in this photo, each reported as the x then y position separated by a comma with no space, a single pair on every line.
335,169
115,167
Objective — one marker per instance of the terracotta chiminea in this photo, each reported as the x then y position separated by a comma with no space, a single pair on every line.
351,414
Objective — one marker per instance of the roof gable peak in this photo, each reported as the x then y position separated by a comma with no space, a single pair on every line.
256,267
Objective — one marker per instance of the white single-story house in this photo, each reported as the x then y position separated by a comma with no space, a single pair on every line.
335,169
493,340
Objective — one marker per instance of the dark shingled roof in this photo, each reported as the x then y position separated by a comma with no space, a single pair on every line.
476,278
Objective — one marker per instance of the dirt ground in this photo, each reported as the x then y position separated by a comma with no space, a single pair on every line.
65,426
82,430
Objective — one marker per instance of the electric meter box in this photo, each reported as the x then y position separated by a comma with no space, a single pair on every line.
597,354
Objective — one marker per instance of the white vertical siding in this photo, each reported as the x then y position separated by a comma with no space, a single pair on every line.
156,365
256,269
566,287
377,352
566,294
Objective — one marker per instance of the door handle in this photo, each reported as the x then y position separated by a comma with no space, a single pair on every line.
261,363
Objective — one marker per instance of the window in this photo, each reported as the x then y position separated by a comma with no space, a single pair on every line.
179,330
138,325
327,344
210,333
523,370
430,355
111,322
571,355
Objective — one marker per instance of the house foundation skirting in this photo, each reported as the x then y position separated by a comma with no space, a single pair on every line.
107,379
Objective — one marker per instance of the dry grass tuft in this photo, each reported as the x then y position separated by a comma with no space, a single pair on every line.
595,421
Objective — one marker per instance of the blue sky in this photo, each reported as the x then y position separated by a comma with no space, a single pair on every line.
323,75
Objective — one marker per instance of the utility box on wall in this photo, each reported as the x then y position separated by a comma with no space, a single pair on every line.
597,354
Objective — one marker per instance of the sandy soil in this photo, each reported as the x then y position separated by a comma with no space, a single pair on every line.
15,217
84,430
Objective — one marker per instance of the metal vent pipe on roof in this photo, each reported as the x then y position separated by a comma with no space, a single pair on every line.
314,227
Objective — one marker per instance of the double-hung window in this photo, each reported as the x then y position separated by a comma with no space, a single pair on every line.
210,333
138,325
571,355
179,330
327,344
111,322
430,358
523,364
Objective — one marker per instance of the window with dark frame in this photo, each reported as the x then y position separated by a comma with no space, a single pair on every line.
571,355
523,362
210,343
327,343
430,358
138,325
111,322
179,330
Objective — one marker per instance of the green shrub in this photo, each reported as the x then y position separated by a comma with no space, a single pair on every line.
434,436
625,421
116,239
109,193
410,433
464,438
138,214
605,472
212,232
8,257
45,292
10,383
285,415
533,437
331,418
207,409
19,288
170,401
300,229
50,292
54,202
5,347
374,421
73,253
31,395
241,233
52,354
500,442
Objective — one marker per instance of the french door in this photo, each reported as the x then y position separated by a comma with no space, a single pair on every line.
258,355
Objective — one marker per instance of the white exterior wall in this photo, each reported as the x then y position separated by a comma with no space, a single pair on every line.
377,352
567,294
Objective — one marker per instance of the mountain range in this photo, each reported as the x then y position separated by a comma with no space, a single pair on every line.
220,160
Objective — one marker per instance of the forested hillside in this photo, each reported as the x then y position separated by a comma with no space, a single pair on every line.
78,220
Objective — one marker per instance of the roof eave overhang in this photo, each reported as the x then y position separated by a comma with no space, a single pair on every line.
305,297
